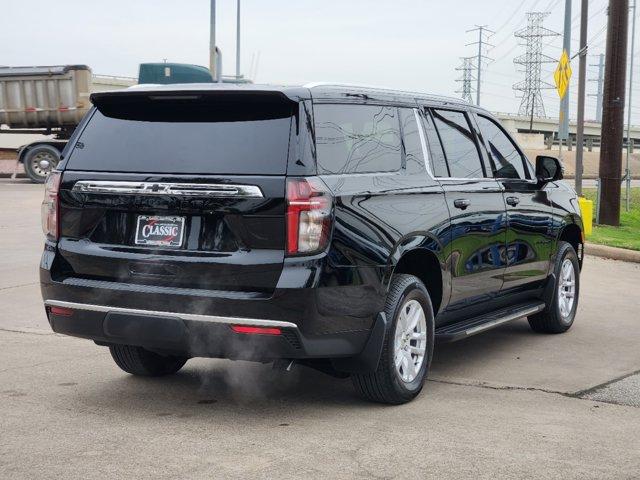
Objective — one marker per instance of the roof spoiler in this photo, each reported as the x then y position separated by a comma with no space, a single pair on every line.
194,105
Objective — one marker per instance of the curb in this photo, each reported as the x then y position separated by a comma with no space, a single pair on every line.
11,175
612,253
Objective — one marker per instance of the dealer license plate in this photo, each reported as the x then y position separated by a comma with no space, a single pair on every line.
159,231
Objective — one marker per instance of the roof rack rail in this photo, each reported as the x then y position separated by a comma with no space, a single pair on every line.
312,85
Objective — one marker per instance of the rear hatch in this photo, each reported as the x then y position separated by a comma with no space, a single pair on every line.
178,189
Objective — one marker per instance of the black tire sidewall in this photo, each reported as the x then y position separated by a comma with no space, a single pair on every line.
413,291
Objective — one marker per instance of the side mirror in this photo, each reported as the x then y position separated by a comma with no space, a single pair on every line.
548,169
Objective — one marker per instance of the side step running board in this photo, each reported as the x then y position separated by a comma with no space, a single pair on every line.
467,328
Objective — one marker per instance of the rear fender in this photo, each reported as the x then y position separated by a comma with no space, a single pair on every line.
428,243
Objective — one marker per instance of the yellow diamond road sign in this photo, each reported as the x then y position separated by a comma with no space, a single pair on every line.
562,75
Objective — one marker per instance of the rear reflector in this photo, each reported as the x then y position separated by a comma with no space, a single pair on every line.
256,330
61,311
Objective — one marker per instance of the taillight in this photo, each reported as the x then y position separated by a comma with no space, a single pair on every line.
51,207
309,204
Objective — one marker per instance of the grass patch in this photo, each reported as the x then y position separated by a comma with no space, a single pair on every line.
627,235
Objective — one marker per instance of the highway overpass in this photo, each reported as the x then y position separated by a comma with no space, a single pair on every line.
549,127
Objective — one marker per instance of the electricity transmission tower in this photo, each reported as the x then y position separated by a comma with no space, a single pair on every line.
481,56
599,90
467,78
531,65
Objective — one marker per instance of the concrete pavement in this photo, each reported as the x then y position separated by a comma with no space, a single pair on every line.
506,404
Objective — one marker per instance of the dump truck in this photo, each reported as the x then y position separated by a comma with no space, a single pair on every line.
53,100
47,100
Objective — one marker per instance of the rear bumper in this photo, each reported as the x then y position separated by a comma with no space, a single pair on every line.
321,313
197,335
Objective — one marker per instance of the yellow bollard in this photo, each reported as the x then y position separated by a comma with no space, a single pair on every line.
586,209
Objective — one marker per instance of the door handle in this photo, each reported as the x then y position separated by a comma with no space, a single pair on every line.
513,201
461,203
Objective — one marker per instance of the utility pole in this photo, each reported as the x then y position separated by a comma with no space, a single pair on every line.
466,68
482,30
600,81
613,112
212,43
582,74
563,127
238,42
627,171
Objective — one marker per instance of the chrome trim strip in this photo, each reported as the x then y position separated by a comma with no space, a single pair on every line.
505,319
161,188
182,316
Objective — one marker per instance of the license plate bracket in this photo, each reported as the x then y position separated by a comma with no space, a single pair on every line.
160,231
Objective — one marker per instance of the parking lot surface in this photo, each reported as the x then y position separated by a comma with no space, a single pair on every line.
506,404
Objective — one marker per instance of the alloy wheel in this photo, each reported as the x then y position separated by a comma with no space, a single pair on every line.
566,288
410,343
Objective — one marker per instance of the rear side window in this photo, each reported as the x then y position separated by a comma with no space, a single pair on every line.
357,139
192,137
458,142
507,162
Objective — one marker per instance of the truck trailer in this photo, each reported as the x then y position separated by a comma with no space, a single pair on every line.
51,101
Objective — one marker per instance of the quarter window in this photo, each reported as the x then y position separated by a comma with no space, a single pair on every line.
458,142
507,162
357,139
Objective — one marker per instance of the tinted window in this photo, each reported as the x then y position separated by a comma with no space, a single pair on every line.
414,156
438,161
459,144
506,160
193,139
357,139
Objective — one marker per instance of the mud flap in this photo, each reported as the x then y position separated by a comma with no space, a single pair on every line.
549,290
367,361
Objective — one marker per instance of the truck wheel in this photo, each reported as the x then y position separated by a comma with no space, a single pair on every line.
407,348
139,361
559,315
39,161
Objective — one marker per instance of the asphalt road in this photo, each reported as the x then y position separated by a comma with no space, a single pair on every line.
506,404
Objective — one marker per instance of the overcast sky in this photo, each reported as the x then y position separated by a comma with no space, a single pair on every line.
405,44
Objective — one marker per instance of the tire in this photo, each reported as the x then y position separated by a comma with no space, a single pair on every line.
139,361
559,315
386,384
33,158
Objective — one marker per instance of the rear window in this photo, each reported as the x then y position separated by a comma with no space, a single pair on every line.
357,139
188,135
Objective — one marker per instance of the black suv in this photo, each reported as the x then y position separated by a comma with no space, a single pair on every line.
343,228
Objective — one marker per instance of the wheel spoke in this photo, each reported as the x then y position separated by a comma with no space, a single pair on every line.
417,350
411,368
418,336
399,358
413,317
